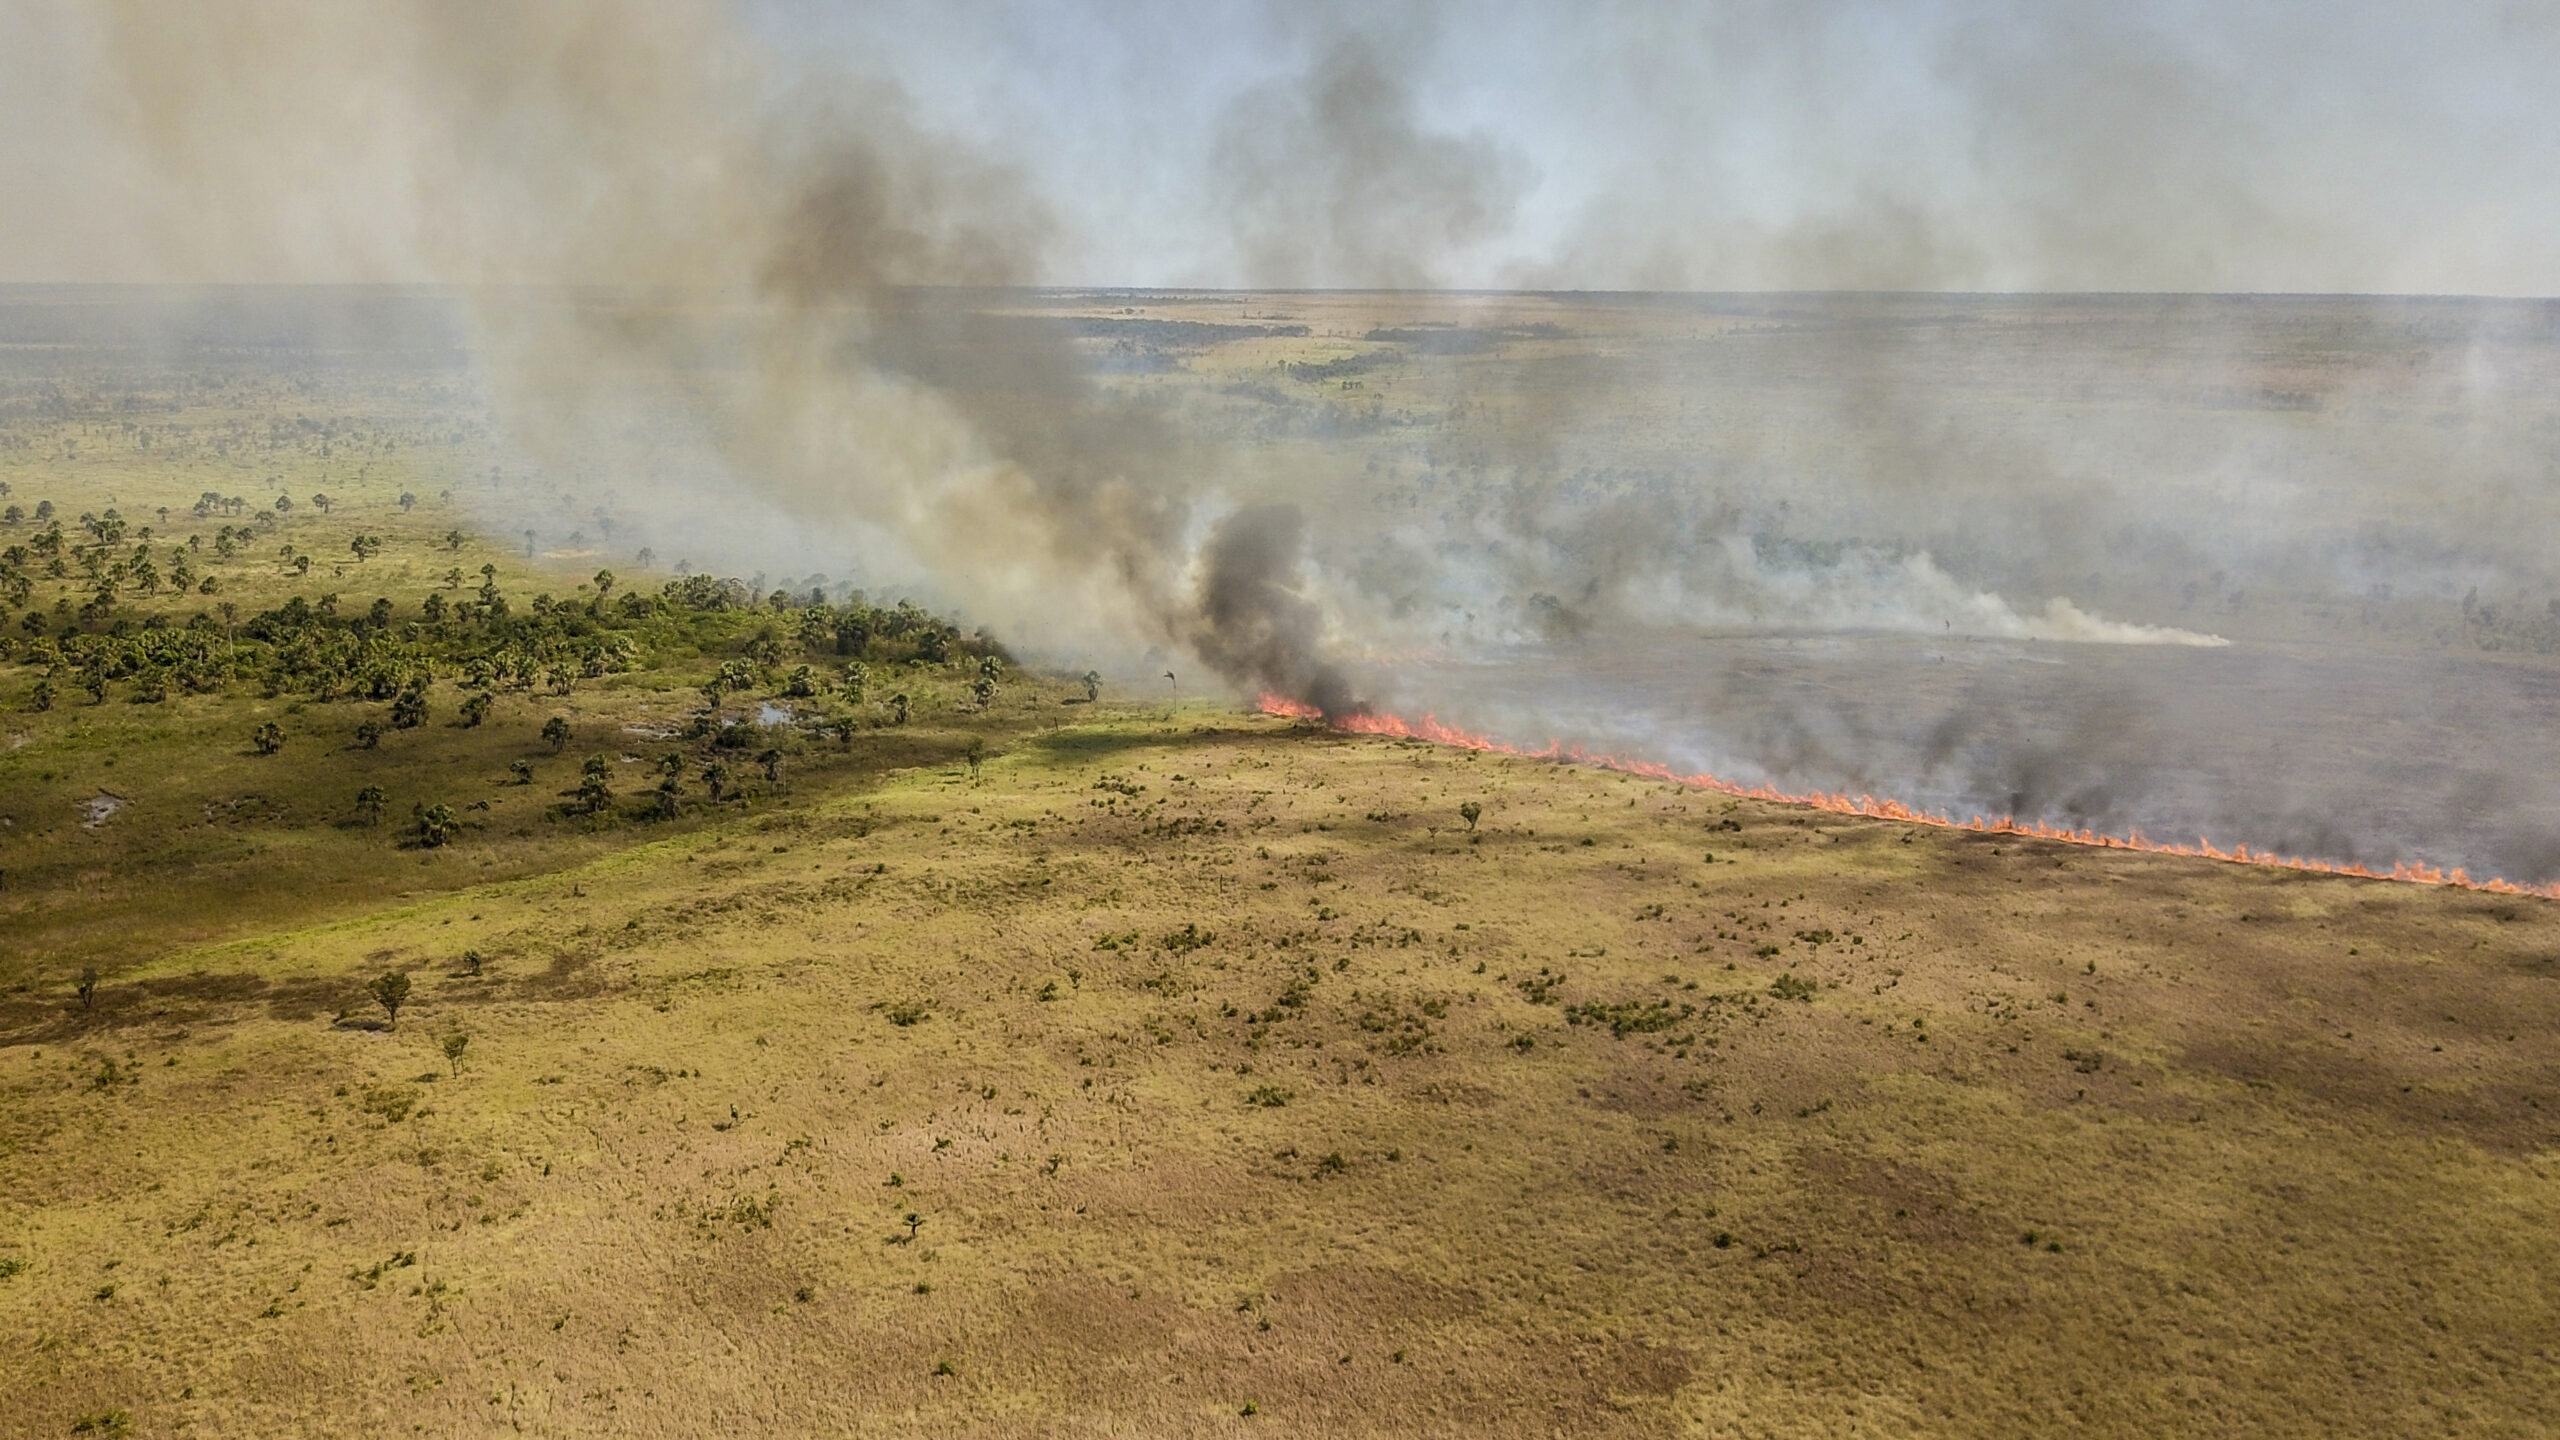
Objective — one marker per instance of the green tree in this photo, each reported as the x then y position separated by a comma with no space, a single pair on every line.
604,583
595,791
771,760
1092,686
390,991
320,502
522,770
436,825
1470,812
407,502
409,708
268,738
369,801
898,708
556,730
715,778
87,988
454,1045
475,708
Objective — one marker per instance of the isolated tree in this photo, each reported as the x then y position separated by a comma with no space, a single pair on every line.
87,988
715,778
453,539
983,690
771,760
409,708
522,770
42,697
320,502
365,547
556,730
454,1045
667,801
436,825
1092,686
472,962
646,558
898,708
604,583
407,502
1470,812
369,801
301,565
284,504
390,992
977,753
595,791
475,708
268,738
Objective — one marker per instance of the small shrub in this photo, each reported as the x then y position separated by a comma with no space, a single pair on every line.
1791,987
907,1012
102,1422
1270,1097
392,1103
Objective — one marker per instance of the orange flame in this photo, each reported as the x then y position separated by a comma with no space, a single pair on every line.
1869,807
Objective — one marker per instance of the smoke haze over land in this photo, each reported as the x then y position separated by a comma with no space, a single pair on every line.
750,277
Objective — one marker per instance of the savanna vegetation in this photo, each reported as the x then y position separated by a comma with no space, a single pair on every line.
555,1002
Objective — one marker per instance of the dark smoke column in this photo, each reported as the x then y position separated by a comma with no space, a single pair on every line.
1255,624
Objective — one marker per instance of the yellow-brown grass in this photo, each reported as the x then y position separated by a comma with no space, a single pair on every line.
1220,1066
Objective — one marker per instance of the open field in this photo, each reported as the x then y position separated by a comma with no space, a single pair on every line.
1011,1060
1170,1068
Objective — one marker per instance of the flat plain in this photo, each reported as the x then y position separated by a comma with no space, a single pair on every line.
1033,1063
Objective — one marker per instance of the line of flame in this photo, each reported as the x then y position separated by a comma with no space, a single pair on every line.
1870,807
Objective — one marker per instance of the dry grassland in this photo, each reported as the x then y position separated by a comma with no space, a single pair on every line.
1205,1076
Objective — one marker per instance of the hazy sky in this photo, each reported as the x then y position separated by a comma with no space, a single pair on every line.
1966,144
